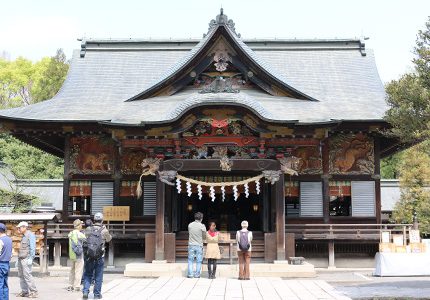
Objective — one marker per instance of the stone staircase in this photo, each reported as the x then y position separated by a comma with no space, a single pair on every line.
279,268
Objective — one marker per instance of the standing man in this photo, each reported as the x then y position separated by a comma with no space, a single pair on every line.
94,248
76,239
5,255
197,234
26,253
244,239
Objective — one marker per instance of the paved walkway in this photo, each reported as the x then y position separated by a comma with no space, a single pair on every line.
258,288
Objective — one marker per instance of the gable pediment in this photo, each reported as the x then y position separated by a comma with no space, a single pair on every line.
221,54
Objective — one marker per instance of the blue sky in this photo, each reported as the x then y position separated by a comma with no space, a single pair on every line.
35,29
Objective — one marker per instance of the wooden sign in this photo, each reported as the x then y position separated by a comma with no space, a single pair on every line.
116,213
414,237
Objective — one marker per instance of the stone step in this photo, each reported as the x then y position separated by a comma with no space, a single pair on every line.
223,270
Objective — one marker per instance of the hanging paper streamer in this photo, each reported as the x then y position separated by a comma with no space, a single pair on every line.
212,193
257,187
223,193
199,191
235,192
189,189
246,190
178,185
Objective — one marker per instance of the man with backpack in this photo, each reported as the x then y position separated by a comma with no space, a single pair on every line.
94,251
76,240
5,256
244,239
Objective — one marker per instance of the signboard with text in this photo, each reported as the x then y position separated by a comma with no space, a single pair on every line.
116,213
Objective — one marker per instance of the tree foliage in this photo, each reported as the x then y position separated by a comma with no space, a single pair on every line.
27,161
390,166
414,182
23,82
409,97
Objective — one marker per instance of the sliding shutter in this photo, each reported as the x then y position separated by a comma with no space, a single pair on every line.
363,198
311,199
149,198
101,195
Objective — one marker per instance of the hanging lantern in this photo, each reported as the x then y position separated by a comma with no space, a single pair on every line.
190,207
255,206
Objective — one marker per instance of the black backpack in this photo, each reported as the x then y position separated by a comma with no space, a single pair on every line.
77,246
93,246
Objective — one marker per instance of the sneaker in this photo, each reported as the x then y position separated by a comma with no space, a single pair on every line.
70,289
85,296
247,278
22,294
196,276
98,297
33,295
190,276
77,289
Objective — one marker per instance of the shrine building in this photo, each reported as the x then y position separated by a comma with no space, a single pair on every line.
284,133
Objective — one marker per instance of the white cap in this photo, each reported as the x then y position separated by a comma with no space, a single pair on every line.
22,223
244,224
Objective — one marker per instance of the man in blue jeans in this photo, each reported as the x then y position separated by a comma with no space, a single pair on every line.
95,265
5,255
197,234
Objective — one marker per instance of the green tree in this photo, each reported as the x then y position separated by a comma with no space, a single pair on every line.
28,162
409,97
414,182
52,78
23,82
390,166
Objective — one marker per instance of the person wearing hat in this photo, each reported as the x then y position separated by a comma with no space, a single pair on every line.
26,253
95,265
76,239
5,255
244,239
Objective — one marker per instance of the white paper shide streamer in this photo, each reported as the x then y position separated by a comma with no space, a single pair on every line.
199,191
178,185
212,193
246,190
235,192
257,187
189,189
223,193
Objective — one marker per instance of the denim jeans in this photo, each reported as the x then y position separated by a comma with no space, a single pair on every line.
97,266
4,287
197,253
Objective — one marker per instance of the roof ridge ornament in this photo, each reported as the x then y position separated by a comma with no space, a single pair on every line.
219,85
222,20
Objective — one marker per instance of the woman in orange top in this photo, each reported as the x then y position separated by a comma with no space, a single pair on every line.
212,249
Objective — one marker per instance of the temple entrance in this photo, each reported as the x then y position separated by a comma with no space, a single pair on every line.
227,214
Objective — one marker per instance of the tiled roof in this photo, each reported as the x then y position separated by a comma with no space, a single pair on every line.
345,82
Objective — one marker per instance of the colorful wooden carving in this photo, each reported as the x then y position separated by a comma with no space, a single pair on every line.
131,161
167,177
225,163
310,160
151,165
92,155
289,165
351,154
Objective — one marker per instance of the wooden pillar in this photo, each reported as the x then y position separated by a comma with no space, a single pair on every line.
377,178
66,184
159,220
326,181
117,175
331,254
280,218
266,207
111,254
57,254
175,208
